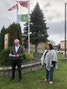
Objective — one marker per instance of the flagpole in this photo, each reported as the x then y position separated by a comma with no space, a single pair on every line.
17,12
28,26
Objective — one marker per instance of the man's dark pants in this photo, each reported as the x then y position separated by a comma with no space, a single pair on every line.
18,63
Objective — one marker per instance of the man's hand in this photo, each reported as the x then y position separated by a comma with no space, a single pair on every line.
17,56
10,55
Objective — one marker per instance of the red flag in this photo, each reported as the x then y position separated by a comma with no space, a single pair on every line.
24,3
14,7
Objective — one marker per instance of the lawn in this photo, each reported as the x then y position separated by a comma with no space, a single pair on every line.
34,80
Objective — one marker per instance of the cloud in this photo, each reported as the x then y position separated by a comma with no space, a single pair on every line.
56,28
6,18
56,31
47,5
56,38
55,18
53,11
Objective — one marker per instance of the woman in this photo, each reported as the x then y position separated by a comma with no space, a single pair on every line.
49,59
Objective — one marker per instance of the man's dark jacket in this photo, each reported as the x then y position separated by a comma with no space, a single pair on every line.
20,52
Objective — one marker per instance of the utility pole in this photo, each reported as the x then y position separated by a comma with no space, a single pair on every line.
65,30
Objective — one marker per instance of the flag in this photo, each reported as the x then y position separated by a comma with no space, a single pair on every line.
24,3
14,7
22,18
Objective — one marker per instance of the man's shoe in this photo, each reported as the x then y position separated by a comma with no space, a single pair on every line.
20,80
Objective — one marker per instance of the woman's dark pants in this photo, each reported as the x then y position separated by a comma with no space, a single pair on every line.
50,73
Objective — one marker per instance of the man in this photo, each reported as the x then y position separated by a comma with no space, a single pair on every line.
16,54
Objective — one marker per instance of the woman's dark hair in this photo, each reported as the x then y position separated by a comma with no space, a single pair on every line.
51,46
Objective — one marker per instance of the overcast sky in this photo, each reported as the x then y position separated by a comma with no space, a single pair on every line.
53,12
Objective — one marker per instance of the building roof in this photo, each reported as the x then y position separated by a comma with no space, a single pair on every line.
23,35
63,41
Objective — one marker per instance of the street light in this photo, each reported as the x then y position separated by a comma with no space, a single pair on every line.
65,30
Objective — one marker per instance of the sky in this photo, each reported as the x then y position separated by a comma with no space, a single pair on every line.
53,11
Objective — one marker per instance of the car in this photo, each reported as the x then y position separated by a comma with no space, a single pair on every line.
60,52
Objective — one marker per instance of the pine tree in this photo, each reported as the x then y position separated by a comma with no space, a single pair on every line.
38,27
3,31
14,31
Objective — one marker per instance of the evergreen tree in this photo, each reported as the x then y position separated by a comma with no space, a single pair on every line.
3,31
14,31
59,46
38,27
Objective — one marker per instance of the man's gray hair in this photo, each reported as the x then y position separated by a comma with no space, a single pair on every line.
17,40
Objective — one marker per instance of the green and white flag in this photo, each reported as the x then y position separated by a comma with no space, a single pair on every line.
22,18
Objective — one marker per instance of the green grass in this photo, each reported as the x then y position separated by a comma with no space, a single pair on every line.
34,80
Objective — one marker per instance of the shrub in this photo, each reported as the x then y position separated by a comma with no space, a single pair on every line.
4,57
29,56
23,58
6,61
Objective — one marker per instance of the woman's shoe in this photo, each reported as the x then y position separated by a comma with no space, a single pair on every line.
45,80
51,82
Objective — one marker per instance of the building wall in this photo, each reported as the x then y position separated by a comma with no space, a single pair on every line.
41,47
